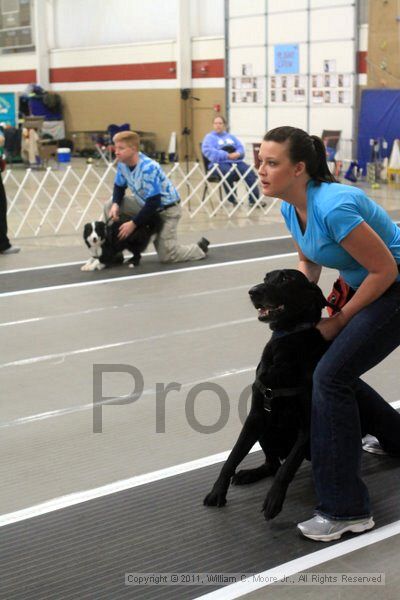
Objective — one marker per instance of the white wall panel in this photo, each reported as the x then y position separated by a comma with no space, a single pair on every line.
101,22
332,118
286,5
342,53
287,27
288,115
207,17
208,48
363,37
241,56
332,24
246,31
246,7
17,62
114,55
124,21
247,121
327,3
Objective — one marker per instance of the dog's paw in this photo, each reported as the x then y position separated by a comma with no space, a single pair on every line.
93,265
274,501
87,264
217,496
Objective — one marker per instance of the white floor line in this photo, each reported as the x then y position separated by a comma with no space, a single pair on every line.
83,260
112,488
61,356
98,309
125,484
61,412
145,275
299,565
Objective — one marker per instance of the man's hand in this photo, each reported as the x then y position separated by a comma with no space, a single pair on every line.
234,155
126,229
114,212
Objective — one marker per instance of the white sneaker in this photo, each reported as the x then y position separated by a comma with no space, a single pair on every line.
371,444
322,529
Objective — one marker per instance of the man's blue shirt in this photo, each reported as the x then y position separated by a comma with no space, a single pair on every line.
146,180
333,211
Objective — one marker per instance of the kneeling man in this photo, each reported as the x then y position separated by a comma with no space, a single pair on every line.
152,192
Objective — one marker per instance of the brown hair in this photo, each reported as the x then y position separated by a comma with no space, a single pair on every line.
219,117
130,138
302,147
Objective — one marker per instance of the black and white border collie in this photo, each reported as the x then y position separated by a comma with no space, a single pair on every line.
107,250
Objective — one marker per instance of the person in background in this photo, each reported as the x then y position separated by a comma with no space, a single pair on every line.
152,192
226,150
338,226
5,246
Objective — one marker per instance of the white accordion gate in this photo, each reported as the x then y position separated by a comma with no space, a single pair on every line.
59,201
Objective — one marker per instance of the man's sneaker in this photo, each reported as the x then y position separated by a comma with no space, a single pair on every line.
11,250
322,529
203,244
370,444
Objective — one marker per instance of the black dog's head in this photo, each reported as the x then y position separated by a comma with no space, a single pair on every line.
94,234
287,298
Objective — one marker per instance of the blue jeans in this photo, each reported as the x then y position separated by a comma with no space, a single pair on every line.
250,180
344,407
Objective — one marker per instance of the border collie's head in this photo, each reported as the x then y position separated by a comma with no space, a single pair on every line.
94,235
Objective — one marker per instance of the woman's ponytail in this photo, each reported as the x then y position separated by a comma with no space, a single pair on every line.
321,169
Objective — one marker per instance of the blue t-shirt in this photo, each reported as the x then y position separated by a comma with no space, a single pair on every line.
333,211
213,144
147,179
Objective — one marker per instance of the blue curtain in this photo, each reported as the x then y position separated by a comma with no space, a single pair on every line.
379,118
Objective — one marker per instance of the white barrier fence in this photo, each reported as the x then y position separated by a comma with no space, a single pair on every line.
60,201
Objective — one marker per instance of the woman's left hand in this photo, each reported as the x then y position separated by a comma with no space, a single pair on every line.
331,327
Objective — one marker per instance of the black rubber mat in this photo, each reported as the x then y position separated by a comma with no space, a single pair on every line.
83,552
11,282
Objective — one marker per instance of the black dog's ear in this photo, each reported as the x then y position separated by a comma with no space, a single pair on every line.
101,229
87,230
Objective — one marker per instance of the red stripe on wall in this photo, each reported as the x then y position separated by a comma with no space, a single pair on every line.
361,61
162,70
17,77
208,68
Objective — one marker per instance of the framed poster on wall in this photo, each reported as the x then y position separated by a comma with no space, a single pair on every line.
8,115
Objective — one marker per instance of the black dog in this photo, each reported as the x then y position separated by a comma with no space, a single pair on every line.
279,417
106,248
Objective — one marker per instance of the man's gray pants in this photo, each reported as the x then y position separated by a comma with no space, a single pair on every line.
166,242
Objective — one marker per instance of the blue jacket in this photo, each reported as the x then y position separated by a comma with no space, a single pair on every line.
214,142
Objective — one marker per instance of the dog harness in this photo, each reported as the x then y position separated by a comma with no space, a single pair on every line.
269,394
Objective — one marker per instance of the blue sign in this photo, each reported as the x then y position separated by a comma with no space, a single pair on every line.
286,58
7,109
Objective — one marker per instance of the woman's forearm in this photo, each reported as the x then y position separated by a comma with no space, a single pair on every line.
310,269
373,286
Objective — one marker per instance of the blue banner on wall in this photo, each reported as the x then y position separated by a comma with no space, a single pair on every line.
379,118
7,109
286,58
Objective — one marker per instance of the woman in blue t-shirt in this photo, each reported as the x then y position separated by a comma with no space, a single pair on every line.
338,226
